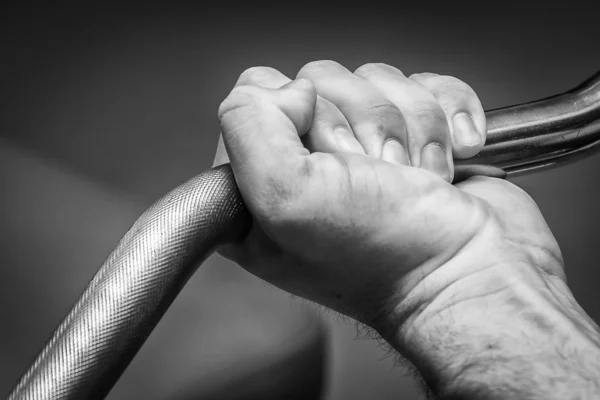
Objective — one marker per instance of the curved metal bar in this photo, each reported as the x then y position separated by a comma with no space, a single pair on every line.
135,286
543,133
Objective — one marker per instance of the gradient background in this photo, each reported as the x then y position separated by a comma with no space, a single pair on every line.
103,111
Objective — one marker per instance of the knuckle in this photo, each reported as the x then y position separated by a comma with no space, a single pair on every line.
447,85
367,69
453,80
382,108
257,75
318,66
450,83
241,106
374,68
385,114
237,98
385,119
429,124
429,110
422,76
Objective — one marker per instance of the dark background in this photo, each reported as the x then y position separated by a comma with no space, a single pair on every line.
105,110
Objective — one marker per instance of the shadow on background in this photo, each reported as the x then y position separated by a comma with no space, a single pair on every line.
105,110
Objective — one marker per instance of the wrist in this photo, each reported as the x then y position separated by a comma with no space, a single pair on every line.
502,332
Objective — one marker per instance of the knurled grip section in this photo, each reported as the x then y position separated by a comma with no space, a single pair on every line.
122,304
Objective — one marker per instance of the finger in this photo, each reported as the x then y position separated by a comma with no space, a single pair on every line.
464,112
429,144
376,123
261,132
330,132
256,76
265,77
464,172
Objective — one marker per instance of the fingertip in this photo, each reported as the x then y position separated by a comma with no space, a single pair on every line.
435,158
467,141
394,152
345,141
465,131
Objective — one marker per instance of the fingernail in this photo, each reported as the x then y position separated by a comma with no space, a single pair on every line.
394,152
465,132
433,159
346,142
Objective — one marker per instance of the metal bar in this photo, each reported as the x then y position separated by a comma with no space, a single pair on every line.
541,134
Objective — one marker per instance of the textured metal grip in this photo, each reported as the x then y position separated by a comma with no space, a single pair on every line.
136,285
132,290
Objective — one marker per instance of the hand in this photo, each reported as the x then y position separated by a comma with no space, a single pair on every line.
352,206
336,224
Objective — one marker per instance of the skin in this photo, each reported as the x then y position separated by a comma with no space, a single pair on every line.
348,178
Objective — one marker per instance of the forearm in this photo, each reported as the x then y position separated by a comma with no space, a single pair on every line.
503,336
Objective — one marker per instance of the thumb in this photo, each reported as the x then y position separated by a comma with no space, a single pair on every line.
297,100
261,131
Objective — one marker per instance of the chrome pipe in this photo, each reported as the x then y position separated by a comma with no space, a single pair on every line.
544,133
